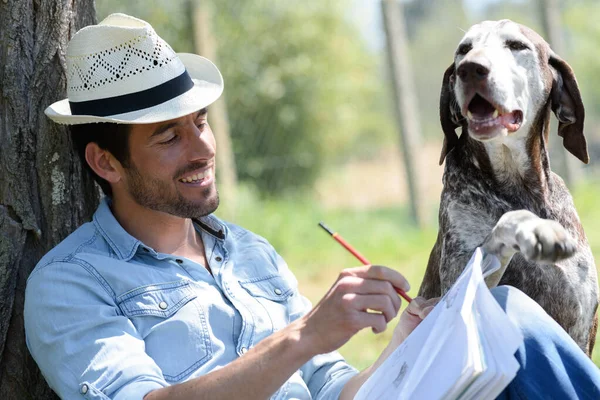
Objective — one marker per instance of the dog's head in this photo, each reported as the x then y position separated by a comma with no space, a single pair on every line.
502,76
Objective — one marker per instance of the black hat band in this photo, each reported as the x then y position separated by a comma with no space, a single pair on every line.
134,101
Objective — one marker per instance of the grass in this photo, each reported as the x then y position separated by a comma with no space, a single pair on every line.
383,235
586,201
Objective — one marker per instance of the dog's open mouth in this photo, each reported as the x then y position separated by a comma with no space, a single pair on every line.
484,117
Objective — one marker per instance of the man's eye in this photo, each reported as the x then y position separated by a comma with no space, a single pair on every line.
201,125
172,140
464,49
515,45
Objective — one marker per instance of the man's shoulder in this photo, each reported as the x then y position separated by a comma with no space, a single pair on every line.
84,240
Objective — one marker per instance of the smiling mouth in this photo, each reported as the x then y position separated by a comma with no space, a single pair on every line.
197,177
484,117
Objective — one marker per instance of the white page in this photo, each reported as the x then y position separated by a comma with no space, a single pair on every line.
404,369
390,378
453,374
500,339
506,338
438,360
488,376
456,305
476,363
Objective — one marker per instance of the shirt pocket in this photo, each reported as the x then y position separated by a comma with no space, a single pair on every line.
172,324
270,300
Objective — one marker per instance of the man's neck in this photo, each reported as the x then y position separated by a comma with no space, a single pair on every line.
164,232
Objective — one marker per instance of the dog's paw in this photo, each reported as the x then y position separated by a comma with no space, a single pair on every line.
543,240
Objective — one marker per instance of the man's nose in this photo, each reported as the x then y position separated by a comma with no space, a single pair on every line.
201,146
473,70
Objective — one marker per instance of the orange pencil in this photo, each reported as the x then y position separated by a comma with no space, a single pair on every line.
359,256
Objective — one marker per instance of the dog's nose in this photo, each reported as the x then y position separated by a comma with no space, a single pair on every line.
472,71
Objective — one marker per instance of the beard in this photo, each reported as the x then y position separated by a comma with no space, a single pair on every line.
158,195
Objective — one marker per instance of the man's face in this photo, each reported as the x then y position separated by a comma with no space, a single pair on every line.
172,166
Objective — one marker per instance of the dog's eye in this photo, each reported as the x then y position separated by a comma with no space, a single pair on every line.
516,45
464,49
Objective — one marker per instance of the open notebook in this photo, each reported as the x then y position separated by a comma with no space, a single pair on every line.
464,349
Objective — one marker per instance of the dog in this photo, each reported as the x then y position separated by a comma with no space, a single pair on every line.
499,191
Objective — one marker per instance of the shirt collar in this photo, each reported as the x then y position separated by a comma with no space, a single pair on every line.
125,246
213,226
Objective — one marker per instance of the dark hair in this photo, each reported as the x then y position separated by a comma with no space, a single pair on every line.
111,137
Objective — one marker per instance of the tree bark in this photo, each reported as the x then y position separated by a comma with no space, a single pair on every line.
206,45
407,115
44,195
563,164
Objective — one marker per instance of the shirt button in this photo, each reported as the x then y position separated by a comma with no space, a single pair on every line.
218,259
162,305
84,389
278,291
243,350
179,261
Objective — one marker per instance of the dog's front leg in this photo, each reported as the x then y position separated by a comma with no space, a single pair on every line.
540,240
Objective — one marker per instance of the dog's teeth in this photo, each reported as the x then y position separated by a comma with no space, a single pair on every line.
469,115
495,114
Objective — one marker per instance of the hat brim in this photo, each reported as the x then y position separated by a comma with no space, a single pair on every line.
208,86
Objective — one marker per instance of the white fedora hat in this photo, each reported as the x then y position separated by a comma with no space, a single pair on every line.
121,71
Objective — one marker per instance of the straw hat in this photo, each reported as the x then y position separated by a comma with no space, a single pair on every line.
121,71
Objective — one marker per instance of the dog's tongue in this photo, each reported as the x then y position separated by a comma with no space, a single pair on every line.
511,121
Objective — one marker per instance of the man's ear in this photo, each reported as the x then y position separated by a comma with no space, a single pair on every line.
449,113
568,108
102,163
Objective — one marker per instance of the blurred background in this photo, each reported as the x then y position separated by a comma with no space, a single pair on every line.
330,113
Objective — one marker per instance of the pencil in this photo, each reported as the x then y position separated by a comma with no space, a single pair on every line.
359,256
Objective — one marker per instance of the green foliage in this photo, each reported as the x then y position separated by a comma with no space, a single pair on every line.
523,12
582,38
170,19
301,87
432,51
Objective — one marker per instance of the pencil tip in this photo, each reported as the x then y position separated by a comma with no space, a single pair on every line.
322,225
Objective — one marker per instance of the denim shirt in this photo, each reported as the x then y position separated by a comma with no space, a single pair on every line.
107,317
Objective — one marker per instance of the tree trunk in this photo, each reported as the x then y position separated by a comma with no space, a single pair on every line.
407,115
44,195
562,163
206,45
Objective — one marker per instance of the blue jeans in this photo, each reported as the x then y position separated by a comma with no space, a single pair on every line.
552,365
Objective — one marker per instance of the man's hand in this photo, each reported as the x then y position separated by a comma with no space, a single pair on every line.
415,312
361,297
411,317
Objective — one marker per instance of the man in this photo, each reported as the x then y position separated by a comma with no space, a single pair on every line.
158,299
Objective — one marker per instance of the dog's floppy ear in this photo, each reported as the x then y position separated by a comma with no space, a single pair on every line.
568,108
449,113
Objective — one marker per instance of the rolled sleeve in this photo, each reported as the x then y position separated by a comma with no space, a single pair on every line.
137,390
82,344
326,375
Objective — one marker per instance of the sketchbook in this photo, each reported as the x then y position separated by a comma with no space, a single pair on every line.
464,349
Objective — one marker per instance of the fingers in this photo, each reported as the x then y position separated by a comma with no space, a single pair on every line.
426,312
353,284
361,297
420,307
379,303
414,308
375,321
378,272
